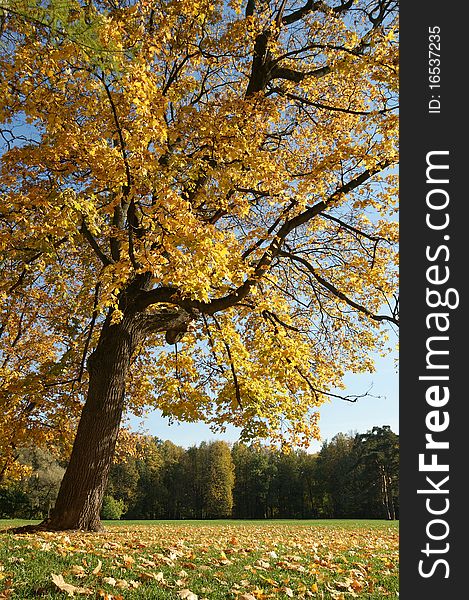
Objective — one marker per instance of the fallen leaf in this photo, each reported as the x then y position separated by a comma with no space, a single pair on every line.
187,595
68,587
357,586
128,561
97,569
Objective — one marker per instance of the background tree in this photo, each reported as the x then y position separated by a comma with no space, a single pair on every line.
378,455
173,481
219,481
147,493
203,176
310,485
33,494
13,503
123,484
336,465
254,489
43,484
112,508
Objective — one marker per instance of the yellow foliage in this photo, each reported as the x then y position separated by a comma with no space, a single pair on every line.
148,162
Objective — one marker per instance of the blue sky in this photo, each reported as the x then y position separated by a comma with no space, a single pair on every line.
380,408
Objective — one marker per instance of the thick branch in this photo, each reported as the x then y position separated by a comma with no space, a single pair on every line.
175,322
94,316
274,247
94,244
261,61
120,210
298,76
120,135
250,6
303,11
311,6
273,319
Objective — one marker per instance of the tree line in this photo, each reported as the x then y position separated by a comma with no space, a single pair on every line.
352,476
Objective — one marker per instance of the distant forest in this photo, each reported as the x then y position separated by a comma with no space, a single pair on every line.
352,476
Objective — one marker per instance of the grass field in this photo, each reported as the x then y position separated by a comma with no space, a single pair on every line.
196,560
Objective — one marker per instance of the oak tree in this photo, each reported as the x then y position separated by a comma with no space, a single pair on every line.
197,215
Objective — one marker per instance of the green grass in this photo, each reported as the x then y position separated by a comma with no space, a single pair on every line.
347,523
226,559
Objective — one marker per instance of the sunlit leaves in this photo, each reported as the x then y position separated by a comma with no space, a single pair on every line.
138,156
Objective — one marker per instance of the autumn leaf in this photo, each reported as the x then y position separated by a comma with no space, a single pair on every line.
122,584
187,595
78,571
67,587
357,586
97,569
128,561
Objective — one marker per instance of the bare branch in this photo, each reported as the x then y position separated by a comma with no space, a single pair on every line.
94,316
233,370
373,238
272,317
349,397
319,105
303,11
120,135
318,5
329,286
29,261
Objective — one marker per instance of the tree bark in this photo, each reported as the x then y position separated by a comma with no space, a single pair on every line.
81,492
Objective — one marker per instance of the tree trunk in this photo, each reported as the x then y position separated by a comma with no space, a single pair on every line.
389,498
81,493
385,491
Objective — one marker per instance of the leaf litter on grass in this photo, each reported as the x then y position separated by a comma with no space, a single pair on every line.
239,562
